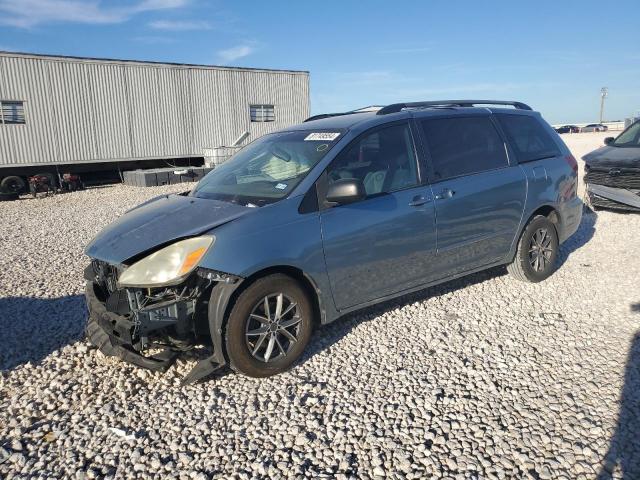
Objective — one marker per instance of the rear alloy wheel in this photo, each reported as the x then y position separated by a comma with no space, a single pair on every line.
540,250
269,326
537,252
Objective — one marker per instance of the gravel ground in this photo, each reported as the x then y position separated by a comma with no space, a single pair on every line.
484,377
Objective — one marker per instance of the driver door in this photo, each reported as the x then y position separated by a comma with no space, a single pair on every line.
385,243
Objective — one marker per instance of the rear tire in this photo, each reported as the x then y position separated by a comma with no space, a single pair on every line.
537,252
261,343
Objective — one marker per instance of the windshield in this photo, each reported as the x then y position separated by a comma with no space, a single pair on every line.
629,138
268,169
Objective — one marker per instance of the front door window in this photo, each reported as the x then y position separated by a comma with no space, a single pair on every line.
383,160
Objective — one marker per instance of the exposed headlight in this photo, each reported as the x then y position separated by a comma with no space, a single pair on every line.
168,266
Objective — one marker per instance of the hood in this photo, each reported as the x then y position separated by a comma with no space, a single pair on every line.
628,157
158,222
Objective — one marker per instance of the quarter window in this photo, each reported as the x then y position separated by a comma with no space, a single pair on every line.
12,112
383,160
262,113
463,146
527,137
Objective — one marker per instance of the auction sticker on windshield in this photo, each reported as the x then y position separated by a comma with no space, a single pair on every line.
322,136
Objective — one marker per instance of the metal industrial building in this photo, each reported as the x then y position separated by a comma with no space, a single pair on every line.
70,111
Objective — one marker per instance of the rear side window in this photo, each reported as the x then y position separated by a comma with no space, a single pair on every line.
528,137
462,146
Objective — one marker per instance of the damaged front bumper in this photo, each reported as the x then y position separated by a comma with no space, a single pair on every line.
614,198
129,323
114,336
616,188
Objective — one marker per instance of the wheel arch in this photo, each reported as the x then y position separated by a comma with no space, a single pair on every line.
305,281
224,296
548,211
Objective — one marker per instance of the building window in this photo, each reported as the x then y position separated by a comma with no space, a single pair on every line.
11,113
262,113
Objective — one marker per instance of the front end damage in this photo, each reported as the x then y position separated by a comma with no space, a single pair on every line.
150,327
612,187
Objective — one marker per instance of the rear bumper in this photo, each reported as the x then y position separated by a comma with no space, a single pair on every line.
113,335
571,216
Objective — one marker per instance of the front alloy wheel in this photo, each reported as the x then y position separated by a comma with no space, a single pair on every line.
273,327
269,326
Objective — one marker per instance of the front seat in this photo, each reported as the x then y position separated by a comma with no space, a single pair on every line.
374,179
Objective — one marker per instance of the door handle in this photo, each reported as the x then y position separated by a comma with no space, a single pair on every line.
419,200
444,194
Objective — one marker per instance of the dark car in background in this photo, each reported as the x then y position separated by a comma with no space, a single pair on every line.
594,127
323,218
612,172
568,129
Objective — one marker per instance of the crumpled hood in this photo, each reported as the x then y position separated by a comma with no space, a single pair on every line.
614,157
158,222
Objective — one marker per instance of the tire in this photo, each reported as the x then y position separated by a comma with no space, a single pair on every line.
248,315
524,266
12,184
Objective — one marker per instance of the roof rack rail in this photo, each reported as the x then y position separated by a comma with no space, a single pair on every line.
398,107
368,108
325,115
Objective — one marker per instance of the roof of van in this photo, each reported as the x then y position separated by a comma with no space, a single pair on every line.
348,120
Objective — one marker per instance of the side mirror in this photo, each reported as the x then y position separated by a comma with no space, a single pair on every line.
346,190
608,140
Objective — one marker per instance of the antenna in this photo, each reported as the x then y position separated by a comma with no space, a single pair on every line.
604,91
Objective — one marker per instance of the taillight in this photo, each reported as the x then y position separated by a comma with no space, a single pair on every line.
572,162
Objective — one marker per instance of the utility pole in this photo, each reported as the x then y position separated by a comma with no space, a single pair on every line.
604,91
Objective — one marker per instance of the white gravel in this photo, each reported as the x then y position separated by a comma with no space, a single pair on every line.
485,377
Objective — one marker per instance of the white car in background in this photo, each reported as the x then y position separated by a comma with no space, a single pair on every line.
594,127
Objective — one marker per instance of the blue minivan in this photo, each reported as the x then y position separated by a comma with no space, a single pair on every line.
342,211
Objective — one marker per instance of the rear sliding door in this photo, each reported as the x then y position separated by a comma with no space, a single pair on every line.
479,195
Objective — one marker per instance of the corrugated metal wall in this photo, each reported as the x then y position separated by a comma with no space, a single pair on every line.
90,110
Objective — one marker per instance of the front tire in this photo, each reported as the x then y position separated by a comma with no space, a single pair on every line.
537,252
269,326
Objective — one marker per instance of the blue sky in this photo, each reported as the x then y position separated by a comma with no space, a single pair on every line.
554,55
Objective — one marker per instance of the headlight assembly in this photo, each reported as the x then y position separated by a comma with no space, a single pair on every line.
168,266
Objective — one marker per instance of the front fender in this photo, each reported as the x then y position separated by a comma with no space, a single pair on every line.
276,236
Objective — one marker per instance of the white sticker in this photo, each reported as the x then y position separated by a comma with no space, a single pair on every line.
322,136
281,186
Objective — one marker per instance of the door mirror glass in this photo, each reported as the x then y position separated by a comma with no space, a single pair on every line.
346,190
608,140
